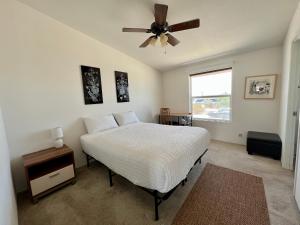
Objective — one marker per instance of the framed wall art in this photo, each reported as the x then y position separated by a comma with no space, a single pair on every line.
91,81
122,86
260,87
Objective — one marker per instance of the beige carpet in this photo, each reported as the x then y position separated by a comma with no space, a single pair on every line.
223,196
92,202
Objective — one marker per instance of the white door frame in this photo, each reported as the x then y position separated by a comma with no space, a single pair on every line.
293,105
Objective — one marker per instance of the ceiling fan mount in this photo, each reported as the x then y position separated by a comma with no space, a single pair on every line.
160,28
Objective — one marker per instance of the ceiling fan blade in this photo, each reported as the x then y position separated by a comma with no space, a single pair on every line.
172,40
146,43
143,30
184,25
160,13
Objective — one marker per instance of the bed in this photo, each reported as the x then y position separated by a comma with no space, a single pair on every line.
155,157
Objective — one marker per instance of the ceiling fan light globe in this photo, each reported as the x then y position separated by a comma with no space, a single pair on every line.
153,41
163,44
163,39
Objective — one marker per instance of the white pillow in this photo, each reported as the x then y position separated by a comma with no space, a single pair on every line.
126,118
94,125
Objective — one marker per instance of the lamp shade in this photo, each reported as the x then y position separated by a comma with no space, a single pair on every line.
57,133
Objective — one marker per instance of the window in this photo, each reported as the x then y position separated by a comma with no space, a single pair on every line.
211,95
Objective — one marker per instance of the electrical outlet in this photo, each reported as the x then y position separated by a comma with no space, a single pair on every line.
240,135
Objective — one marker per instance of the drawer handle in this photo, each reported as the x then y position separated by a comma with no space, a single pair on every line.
53,175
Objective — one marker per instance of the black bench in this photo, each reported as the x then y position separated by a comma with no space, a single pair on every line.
267,144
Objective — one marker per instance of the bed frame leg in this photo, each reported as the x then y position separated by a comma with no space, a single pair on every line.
87,160
110,178
156,203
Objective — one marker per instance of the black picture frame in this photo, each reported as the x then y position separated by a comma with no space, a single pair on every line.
91,83
122,86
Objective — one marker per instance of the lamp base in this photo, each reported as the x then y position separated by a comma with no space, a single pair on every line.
58,143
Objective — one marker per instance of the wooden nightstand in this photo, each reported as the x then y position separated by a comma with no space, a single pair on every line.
48,170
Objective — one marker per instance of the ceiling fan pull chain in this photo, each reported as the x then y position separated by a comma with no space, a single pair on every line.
165,52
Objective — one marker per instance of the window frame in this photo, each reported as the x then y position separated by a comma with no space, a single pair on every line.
205,73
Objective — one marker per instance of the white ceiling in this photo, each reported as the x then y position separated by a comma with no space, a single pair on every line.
227,26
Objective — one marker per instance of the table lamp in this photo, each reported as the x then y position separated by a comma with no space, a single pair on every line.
57,135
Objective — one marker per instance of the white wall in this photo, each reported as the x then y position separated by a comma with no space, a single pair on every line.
40,82
259,115
286,107
8,208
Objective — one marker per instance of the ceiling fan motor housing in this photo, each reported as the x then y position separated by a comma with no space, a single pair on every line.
159,29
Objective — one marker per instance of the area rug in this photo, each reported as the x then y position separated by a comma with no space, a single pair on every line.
223,196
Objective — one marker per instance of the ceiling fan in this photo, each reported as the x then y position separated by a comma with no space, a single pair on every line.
160,28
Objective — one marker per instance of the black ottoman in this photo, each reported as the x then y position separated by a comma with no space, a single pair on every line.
267,144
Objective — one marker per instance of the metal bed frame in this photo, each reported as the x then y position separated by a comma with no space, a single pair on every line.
158,197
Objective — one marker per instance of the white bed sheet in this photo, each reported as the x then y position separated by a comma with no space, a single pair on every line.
150,155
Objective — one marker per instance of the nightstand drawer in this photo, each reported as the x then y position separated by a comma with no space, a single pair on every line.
52,179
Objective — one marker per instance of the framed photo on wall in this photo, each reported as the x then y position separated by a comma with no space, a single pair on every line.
260,87
91,82
122,86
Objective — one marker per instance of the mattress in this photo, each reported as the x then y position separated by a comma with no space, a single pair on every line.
150,155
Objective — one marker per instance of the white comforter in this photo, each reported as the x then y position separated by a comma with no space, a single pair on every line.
150,155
